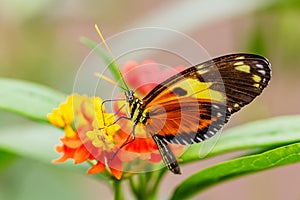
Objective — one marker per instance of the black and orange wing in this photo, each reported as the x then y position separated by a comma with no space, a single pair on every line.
195,104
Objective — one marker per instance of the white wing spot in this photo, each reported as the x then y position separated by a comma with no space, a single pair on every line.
206,136
259,66
263,72
185,142
264,80
198,138
210,132
216,106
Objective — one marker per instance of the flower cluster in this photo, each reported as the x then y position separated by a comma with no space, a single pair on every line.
83,141
91,134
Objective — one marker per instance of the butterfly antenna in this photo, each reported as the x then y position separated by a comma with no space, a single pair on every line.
110,53
109,80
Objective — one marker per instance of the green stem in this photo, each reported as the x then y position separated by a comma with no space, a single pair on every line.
145,186
153,183
118,190
158,176
133,187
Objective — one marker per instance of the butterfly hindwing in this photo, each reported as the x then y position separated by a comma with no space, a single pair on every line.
186,120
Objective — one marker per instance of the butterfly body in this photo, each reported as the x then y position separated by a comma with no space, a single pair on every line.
194,104
139,115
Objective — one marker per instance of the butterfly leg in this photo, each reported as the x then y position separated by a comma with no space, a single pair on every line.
111,100
167,155
121,117
102,112
127,141
132,136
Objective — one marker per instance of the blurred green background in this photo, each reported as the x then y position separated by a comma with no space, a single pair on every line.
39,42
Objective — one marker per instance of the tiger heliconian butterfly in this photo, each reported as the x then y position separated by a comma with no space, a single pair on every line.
194,104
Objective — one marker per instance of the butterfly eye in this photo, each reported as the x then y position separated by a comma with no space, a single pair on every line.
129,96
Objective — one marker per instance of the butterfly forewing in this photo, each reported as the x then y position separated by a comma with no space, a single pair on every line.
194,104
244,76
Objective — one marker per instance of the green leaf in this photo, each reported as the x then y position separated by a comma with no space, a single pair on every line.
237,167
114,69
263,134
37,142
28,99
5,159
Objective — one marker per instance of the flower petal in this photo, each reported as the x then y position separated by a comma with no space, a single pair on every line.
71,143
69,132
97,168
155,158
56,119
115,167
81,155
67,153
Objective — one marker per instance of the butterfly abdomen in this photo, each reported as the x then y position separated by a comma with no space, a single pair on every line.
168,157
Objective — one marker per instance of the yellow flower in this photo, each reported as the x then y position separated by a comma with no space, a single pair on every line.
101,140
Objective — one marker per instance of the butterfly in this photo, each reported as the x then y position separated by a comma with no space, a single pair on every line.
194,104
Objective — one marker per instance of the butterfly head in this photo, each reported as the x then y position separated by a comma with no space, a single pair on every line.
130,97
